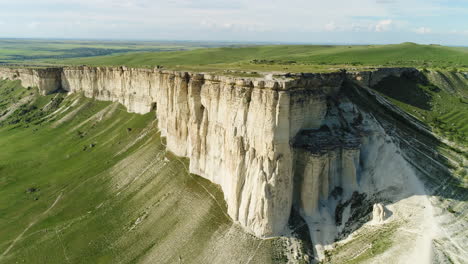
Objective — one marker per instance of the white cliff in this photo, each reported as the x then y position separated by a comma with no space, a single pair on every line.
236,132
378,213
46,80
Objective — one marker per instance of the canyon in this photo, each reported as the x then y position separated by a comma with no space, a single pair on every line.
324,146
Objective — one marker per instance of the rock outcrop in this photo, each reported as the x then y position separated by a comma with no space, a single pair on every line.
47,80
331,152
378,213
235,131
255,137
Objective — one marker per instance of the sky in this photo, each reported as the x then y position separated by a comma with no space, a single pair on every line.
284,21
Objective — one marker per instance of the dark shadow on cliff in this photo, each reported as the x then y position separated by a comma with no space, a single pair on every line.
426,153
418,146
406,89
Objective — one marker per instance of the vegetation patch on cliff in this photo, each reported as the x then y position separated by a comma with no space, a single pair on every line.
368,243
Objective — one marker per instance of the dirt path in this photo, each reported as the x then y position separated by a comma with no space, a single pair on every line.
18,238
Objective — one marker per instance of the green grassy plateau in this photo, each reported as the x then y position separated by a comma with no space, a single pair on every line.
83,181
31,51
291,58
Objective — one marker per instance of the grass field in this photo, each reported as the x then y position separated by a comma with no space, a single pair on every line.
291,58
32,51
216,57
83,181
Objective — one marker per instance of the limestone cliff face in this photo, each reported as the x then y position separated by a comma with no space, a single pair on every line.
134,88
249,135
47,80
304,142
235,131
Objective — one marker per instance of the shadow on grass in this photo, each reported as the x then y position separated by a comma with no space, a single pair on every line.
405,89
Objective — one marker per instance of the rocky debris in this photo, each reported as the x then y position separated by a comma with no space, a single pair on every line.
378,213
32,190
359,206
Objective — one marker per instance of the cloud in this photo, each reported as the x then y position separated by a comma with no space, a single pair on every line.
377,21
331,26
423,30
459,32
385,1
383,25
233,25
33,25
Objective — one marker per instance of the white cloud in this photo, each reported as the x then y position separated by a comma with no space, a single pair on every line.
33,25
240,20
423,30
383,25
233,25
331,26
459,32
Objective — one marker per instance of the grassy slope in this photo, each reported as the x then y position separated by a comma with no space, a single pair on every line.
444,109
366,244
441,103
121,200
293,58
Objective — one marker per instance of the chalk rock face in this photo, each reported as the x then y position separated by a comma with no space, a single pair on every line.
235,131
268,142
46,80
378,213
318,175
272,144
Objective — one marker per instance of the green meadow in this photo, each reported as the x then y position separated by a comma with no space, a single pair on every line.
291,58
33,51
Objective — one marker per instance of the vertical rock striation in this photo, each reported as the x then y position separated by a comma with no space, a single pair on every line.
235,131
